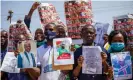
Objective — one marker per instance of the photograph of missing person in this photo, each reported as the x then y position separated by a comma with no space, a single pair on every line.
62,51
27,58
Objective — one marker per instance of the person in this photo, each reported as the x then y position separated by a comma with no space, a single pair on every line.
44,55
62,49
25,74
45,52
88,40
4,43
117,41
106,44
39,37
26,59
6,75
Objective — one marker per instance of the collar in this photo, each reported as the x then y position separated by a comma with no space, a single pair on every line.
93,44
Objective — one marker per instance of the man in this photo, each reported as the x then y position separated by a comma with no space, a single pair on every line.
88,34
4,75
62,49
45,52
39,37
26,59
4,43
106,44
25,74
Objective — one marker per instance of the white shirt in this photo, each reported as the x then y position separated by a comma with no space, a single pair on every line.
44,59
25,62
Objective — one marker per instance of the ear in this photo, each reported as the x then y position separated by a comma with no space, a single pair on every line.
81,34
95,36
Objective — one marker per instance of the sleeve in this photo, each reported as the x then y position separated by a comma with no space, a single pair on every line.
19,62
38,58
108,56
77,53
27,21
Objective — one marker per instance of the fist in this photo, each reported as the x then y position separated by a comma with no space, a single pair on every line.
104,57
35,5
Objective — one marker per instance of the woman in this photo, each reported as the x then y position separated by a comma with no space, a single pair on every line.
117,41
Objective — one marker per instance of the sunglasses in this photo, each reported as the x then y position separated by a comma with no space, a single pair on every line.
49,29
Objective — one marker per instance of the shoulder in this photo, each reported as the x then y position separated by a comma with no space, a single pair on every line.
78,52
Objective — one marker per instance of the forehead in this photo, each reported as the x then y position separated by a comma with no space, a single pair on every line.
88,28
60,29
3,33
39,31
120,36
27,44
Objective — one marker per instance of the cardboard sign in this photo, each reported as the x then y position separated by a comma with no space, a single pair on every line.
78,14
92,63
18,32
122,65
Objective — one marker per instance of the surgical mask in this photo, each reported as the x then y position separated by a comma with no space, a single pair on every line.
117,46
50,35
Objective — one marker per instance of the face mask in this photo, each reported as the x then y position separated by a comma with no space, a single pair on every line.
50,35
117,46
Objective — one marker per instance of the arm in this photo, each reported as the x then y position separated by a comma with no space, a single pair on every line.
27,19
77,70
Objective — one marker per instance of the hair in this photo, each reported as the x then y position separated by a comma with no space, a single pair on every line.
60,26
50,24
86,26
38,29
4,31
19,21
106,35
115,32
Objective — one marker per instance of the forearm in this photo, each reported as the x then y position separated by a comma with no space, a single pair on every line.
76,71
105,67
30,13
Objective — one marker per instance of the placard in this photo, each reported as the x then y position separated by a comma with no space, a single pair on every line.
92,63
122,65
78,14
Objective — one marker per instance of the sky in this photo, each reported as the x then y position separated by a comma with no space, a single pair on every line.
103,11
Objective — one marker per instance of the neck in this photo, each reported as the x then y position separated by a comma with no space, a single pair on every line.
3,48
87,44
49,43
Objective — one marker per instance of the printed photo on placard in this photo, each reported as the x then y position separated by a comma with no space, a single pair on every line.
27,58
10,63
122,65
18,32
62,51
92,63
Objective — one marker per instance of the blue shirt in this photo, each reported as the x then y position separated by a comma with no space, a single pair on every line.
81,76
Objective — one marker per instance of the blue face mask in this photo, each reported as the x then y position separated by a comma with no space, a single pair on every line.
50,35
117,46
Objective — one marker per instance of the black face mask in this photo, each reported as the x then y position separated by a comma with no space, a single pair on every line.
50,35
